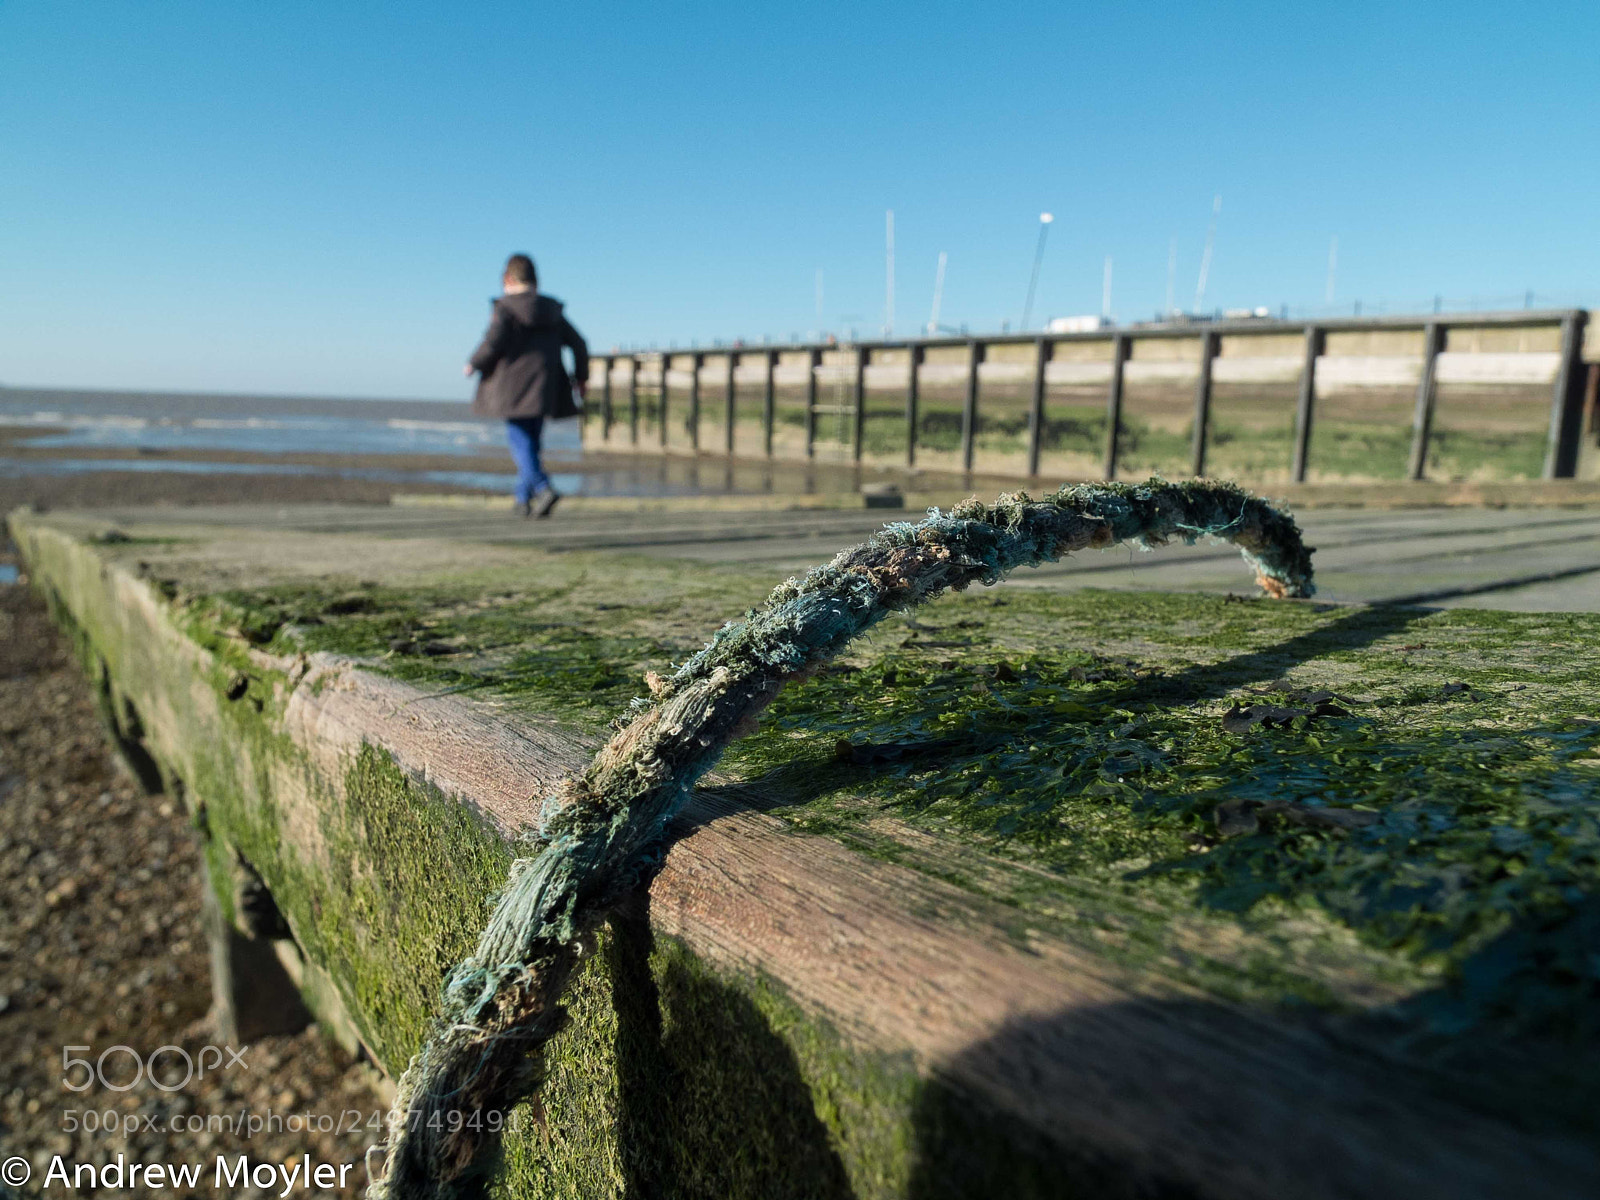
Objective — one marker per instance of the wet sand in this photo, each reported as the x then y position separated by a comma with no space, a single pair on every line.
33,476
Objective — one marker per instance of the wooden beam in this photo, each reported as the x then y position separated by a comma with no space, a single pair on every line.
769,402
1422,415
697,360
914,356
1247,327
1566,402
633,399
728,401
1305,404
861,401
969,410
1591,400
666,367
1129,1067
1121,351
1041,355
1202,401
814,363
605,399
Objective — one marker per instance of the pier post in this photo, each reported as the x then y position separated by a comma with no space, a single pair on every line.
1591,400
769,402
914,361
696,361
1305,404
633,399
1202,401
666,370
728,401
969,410
1422,417
861,400
605,399
1566,402
1041,356
814,364
1121,351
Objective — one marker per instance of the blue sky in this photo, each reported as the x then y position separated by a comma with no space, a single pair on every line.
316,198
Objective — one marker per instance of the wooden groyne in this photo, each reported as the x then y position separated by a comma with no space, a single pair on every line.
1249,398
831,990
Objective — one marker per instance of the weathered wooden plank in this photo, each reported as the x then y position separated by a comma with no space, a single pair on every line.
1209,341
1041,356
813,364
858,417
1125,1075
969,405
1121,347
768,401
913,372
1566,402
1422,419
1305,403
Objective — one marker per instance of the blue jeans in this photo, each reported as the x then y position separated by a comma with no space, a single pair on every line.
523,433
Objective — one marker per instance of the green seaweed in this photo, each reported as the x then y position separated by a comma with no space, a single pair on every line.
1471,902
1080,734
1483,799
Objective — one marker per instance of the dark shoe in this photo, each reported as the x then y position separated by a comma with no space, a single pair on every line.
522,509
547,502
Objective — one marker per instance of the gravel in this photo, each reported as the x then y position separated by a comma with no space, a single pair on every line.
101,946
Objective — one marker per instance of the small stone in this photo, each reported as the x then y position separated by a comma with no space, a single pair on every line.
64,891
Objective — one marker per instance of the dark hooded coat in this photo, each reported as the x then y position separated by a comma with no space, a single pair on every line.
519,360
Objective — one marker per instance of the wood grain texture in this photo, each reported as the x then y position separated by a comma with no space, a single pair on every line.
465,750
1175,1090
1179,1093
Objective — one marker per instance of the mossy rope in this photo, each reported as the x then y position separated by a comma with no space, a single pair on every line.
603,833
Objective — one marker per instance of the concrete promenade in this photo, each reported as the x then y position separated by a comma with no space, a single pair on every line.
1519,559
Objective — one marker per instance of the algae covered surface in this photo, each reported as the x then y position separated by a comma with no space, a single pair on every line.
1373,814
1359,809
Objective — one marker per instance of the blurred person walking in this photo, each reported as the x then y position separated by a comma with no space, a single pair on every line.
522,379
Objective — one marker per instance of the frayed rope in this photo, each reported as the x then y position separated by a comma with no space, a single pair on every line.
603,833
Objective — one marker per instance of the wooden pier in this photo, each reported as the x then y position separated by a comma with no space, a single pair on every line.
806,401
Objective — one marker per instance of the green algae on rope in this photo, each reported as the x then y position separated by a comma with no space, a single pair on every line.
603,833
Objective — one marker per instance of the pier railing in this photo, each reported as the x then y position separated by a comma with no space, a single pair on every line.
1059,403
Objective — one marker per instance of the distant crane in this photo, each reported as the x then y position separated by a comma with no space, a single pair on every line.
938,294
1205,259
1172,277
888,303
1038,257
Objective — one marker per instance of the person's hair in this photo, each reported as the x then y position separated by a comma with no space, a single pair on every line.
519,269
